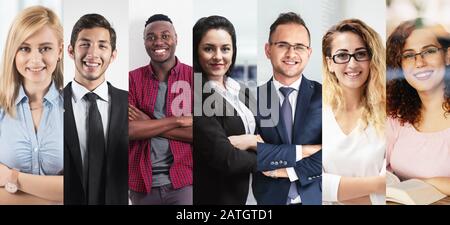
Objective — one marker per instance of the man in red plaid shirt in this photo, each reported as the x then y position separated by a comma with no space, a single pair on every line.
160,121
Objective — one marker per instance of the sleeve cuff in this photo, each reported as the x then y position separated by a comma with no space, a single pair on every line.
291,174
330,187
299,153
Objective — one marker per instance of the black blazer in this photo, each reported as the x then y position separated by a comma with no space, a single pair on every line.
221,172
116,154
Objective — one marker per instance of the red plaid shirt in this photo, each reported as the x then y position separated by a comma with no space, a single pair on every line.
143,90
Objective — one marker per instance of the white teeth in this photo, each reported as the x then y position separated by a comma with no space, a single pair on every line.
36,69
421,75
290,63
160,50
91,64
352,74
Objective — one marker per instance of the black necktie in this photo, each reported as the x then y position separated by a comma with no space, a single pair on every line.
95,154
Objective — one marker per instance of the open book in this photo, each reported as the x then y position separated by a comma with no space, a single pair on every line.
410,192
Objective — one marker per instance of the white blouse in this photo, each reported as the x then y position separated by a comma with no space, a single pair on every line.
231,95
360,153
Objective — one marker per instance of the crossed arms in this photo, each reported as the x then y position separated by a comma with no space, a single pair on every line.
141,126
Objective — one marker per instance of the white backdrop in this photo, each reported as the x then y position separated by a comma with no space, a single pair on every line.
116,12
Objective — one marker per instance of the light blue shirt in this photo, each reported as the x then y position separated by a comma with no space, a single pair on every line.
24,149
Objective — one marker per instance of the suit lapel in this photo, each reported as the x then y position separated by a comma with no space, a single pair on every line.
281,129
301,109
70,130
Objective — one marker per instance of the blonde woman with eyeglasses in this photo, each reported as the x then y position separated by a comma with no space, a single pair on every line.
353,115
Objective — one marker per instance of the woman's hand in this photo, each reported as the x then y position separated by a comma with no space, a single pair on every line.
245,141
4,174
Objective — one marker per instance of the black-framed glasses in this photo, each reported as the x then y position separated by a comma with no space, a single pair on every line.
410,57
343,57
285,46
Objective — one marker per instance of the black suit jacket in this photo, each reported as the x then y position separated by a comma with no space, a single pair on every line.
116,153
221,172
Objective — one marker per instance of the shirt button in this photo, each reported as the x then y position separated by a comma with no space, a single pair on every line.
272,163
35,149
309,178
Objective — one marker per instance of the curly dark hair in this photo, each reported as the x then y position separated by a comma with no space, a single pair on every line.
403,101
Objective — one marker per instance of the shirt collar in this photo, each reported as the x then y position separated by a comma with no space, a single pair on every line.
79,91
51,96
175,70
231,85
295,85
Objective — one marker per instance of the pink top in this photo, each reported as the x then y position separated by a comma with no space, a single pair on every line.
413,154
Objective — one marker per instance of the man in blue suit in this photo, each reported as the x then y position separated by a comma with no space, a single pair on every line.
289,121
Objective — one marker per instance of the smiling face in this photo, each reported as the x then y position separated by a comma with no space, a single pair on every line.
160,41
215,53
288,64
37,57
353,74
424,73
92,54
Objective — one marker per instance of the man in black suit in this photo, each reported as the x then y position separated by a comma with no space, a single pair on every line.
95,120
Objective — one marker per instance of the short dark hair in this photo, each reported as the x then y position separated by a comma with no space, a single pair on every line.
157,17
89,21
202,26
287,18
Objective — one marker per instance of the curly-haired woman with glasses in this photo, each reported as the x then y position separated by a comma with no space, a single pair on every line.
418,104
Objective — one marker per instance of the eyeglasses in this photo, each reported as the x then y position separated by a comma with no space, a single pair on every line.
360,56
284,46
410,57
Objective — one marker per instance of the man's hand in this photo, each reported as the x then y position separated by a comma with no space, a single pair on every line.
278,173
308,150
134,114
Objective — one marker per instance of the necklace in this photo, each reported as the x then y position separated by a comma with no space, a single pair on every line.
38,107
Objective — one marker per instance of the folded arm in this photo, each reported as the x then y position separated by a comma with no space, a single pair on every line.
338,188
440,183
141,126
49,188
213,147
289,161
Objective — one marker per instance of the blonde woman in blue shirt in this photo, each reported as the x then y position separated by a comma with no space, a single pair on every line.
31,110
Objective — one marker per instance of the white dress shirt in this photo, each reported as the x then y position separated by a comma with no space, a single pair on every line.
293,100
231,95
360,153
80,107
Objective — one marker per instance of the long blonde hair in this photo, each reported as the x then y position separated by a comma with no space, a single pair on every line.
28,22
374,95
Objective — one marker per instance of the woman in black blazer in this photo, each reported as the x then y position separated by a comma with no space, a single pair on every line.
224,140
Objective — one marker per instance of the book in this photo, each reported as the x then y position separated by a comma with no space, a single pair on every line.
410,192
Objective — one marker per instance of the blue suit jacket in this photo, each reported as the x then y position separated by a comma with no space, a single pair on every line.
277,153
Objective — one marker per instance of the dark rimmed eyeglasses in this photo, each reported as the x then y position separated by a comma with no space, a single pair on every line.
343,57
